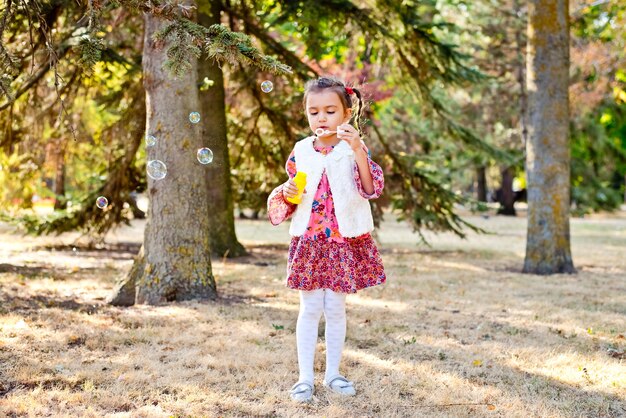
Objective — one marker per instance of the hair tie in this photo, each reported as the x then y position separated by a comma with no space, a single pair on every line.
349,90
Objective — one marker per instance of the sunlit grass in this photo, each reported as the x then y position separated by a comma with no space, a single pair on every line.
456,331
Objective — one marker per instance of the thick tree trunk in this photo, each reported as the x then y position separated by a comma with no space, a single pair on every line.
222,221
176,254
481,184
547,152
507,197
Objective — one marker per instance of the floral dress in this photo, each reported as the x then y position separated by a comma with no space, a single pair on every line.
321,258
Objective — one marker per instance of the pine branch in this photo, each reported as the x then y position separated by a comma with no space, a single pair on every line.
10,65
227,45
90,49
43,70
424,201
302,70
189,39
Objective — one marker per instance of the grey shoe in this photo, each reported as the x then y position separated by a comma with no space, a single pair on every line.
302,392
340,385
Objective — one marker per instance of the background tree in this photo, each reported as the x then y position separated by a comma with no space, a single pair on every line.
548,157
174,262
83,106
598,103
212,94
176,252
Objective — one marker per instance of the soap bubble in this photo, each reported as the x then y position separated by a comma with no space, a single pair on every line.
156,169
194,117
102,202
267,86
204,155
150,140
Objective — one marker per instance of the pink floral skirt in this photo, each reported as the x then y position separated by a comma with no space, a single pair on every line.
339,266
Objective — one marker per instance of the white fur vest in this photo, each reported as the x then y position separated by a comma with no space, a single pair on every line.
352,210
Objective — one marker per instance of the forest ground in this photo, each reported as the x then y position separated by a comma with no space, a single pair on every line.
457,330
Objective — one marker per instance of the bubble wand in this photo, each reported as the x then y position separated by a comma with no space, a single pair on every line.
324,132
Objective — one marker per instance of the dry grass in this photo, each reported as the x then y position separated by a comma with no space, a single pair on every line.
456,331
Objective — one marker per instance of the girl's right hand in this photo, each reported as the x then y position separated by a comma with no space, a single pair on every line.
290,189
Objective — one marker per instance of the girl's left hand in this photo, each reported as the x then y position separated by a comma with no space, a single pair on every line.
348,133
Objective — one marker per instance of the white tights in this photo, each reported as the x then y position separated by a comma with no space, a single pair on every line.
312,304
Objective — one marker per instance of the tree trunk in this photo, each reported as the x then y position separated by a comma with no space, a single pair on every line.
223,238
481,184
59,176
547,153
176,254
507,197
521,79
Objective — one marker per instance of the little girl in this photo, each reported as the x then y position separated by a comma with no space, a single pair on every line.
331,252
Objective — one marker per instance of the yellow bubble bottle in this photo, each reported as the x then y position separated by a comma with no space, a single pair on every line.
300,180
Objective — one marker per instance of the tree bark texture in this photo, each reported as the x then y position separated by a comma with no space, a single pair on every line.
223,238
547,152
176,250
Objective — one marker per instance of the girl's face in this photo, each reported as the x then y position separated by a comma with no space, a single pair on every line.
325,110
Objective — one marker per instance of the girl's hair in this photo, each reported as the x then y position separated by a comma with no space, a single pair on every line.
332,84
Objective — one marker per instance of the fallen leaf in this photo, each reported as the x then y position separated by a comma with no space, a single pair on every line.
477,362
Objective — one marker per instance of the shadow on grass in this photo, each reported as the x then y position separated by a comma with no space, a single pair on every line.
41,270
24,305
114,251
